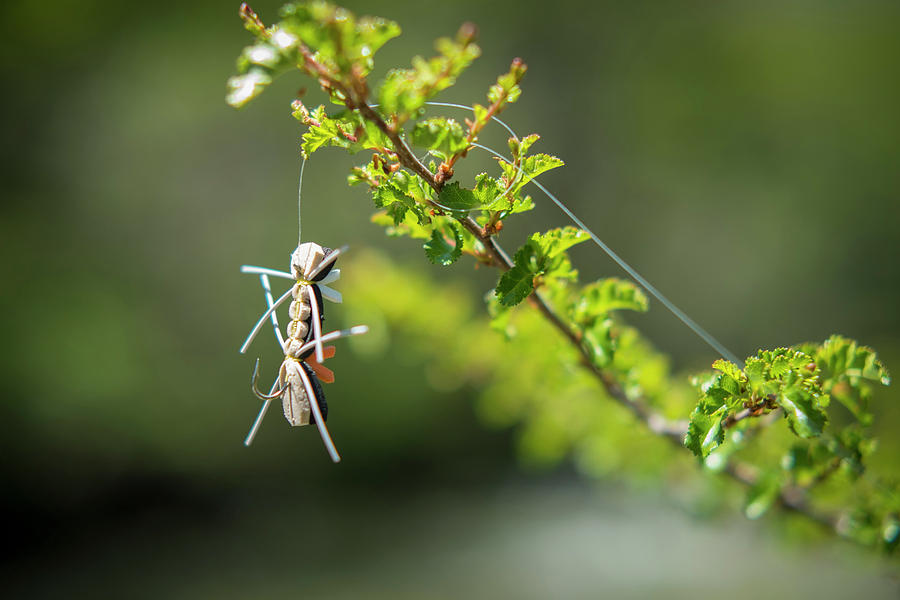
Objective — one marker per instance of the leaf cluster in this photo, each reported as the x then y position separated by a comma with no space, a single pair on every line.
797,382
820,445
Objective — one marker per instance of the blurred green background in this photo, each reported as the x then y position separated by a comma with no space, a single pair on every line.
745,158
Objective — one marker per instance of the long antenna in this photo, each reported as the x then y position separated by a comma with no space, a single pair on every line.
299,198
680,314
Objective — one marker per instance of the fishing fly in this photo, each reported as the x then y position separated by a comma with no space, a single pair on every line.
302,372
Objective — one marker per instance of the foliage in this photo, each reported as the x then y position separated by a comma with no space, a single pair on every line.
566,365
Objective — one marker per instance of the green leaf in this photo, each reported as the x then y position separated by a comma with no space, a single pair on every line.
846,368
494,197
601,297
501,316
334,37
244,88
443,137
544,255
251,21
388,193
761,496
706,431
404,91
557,241
755,369
397,212
599,341
771,371
529,168
521,204
728,368
852,445
445,245
404,214
407,226
489,193
520,147
458,200
346,130
802,412
515,285
339,40
507,89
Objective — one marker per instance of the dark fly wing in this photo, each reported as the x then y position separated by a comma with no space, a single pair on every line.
321,304
320,393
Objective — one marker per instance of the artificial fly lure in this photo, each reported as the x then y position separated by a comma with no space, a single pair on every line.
298,384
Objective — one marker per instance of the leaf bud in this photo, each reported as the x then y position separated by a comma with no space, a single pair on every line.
467,33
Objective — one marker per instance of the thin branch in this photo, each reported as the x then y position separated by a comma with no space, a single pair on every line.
758,409
791,498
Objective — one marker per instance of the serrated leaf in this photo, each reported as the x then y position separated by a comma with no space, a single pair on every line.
442,136
480,112
600,343
457,199
519,147
445,245
801,410
755,370
404,91
339,41
779,366
559,269
397,213
846,367
728,368
705,430
388,193
543,255
345,129
494,196
557,241
489,193
527,169
408,226
601,297
521,204
515,285
507,90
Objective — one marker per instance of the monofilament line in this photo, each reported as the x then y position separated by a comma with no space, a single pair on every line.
680,314
692,325
299,198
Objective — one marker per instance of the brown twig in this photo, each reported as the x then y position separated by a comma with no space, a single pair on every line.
791,498
754,409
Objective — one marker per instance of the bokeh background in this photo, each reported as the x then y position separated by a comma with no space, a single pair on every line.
745,157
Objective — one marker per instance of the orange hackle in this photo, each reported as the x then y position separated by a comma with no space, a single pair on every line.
324,374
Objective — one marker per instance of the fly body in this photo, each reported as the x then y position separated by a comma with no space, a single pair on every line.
298,384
